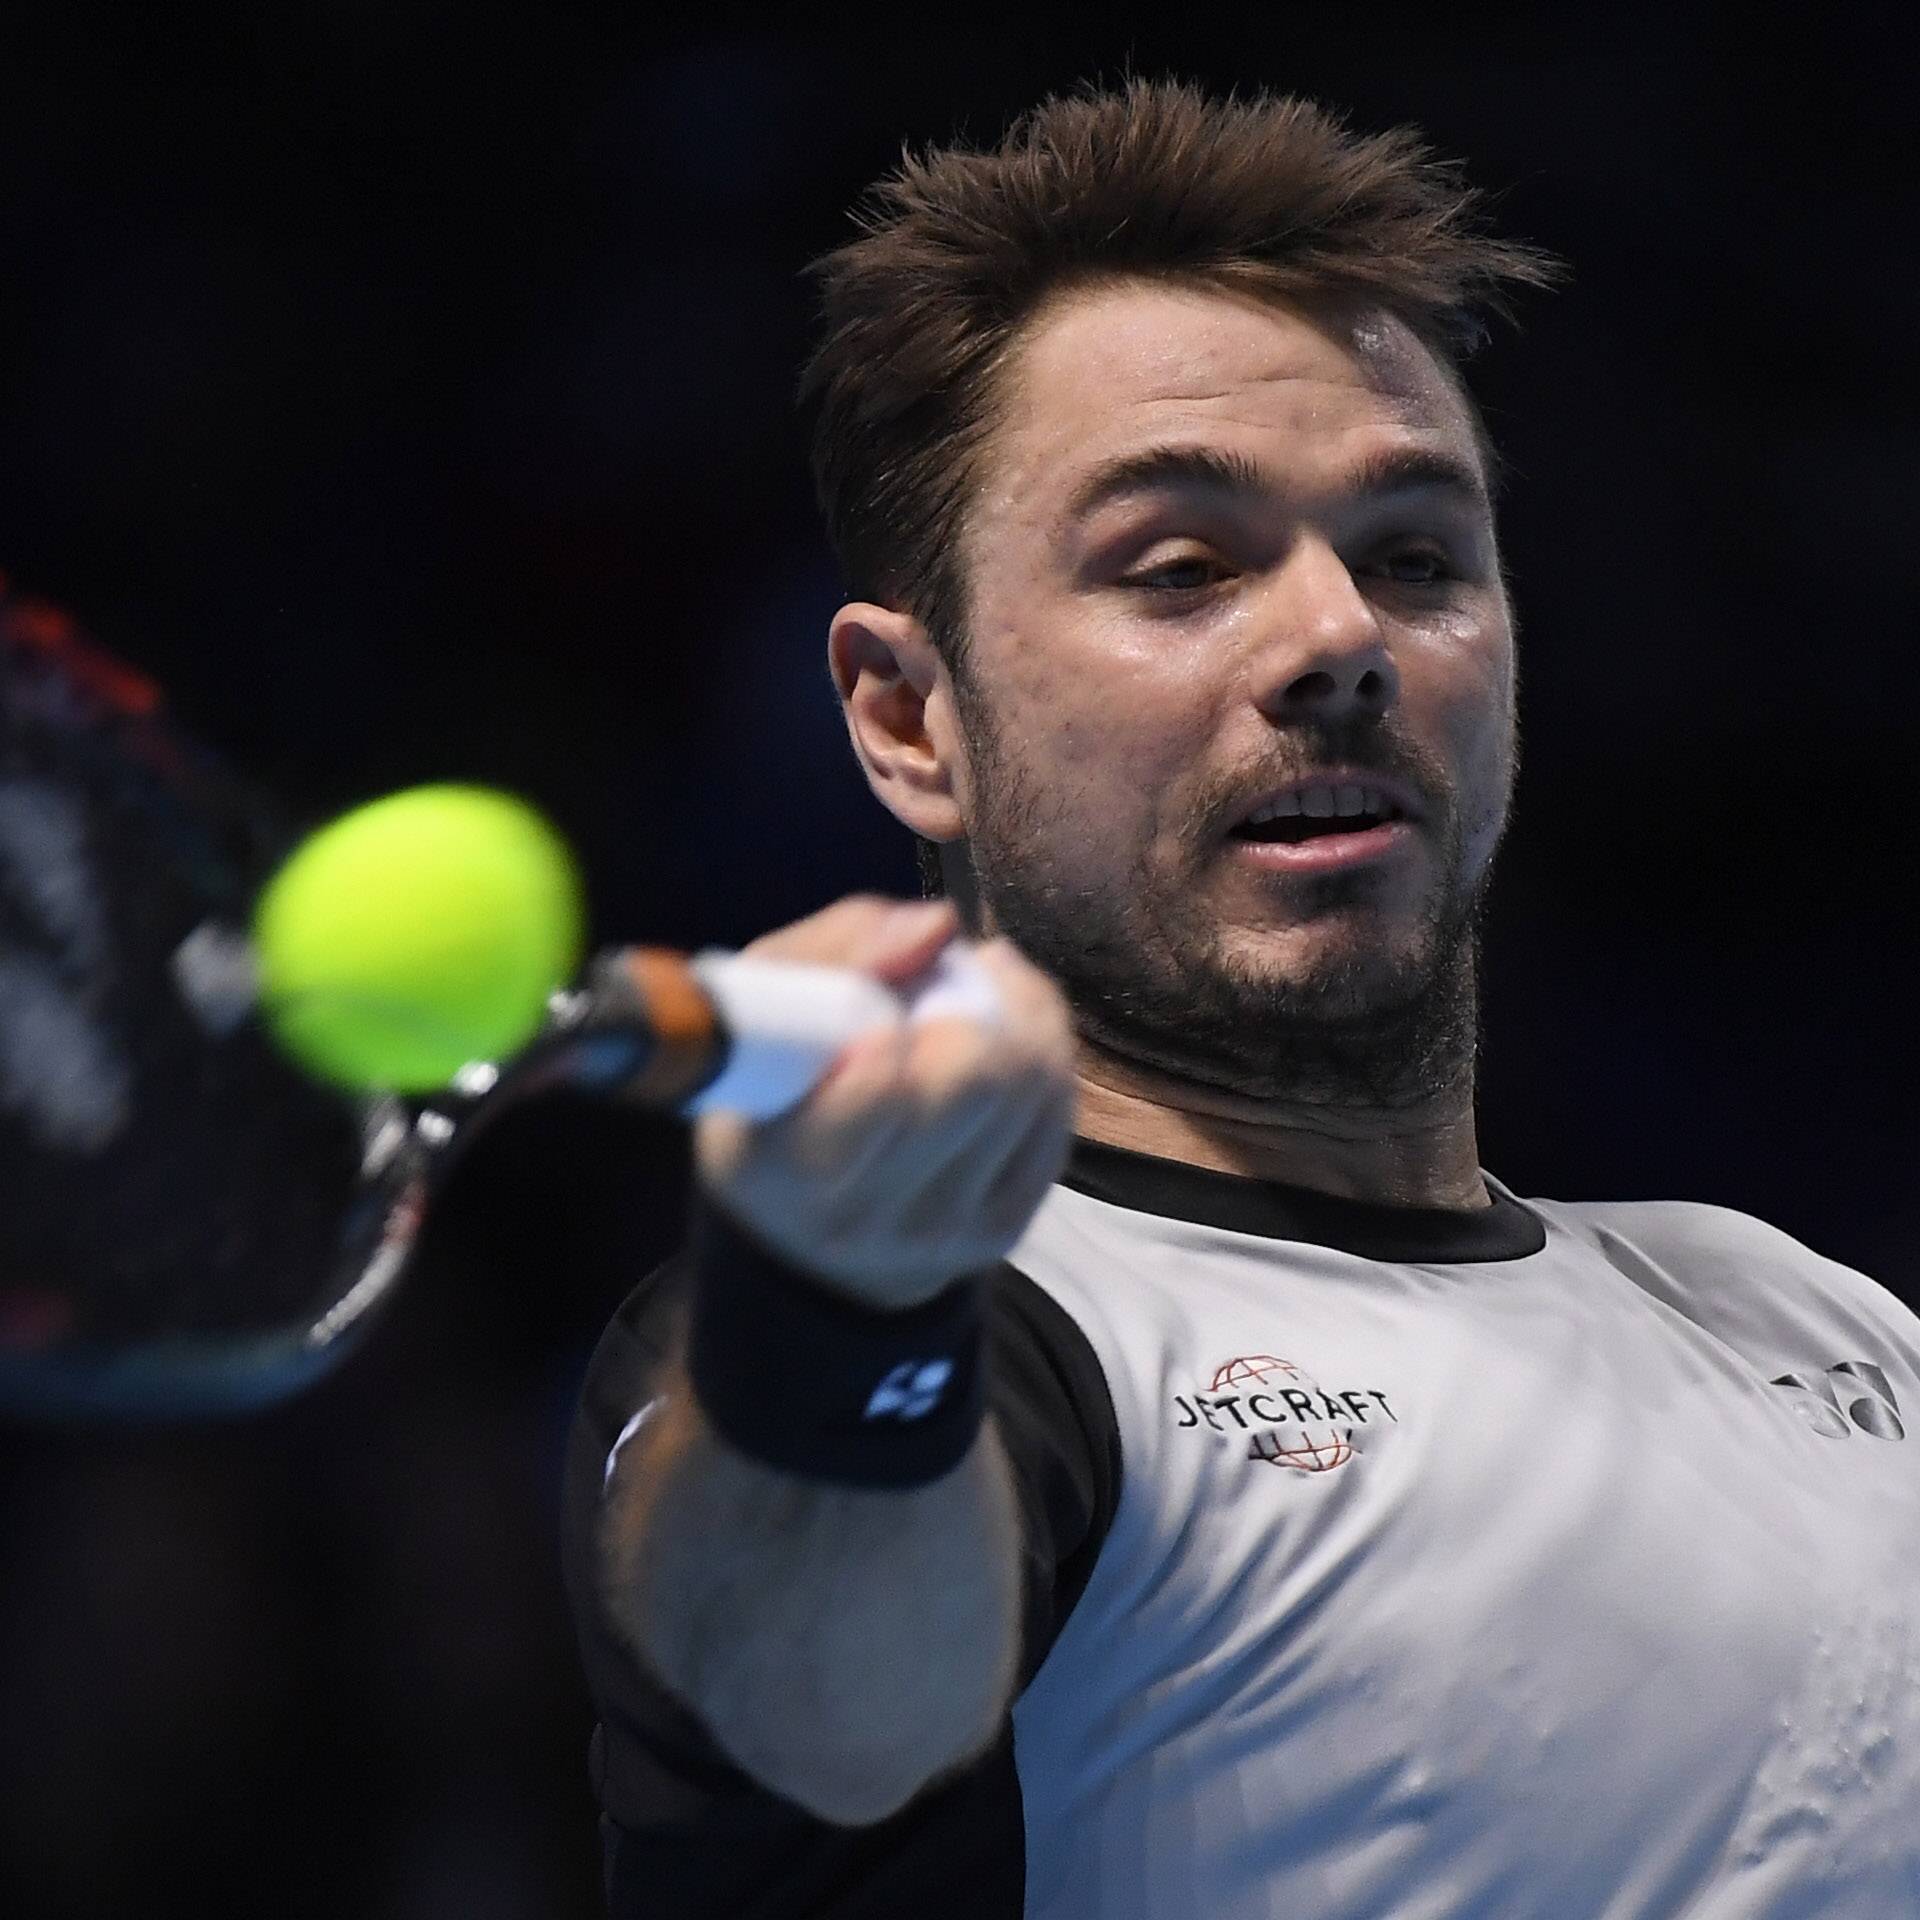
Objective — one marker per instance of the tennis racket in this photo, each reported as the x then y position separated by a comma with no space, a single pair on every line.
192,1226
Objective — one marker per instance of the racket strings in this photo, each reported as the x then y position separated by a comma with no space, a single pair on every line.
161,1180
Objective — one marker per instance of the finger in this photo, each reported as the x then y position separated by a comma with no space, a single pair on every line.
975,1140
914,1100
950,1061
977,1125
1006,1178
821,938
1025,984
850,1115
865,1074
952,1058
1032,1001
907,942
888,939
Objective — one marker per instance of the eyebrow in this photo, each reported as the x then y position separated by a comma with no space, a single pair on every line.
1393,470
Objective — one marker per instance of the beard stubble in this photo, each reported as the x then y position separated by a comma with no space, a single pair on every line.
1150,982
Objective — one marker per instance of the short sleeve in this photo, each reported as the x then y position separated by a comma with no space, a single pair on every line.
685,1832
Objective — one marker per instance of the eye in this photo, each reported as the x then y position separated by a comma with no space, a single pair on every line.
1438,564
1185,573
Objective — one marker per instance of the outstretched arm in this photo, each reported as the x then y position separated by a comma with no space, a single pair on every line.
847,1643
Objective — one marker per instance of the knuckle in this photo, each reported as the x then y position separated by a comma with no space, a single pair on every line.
945,1054
855,906
1012,964
1006,965
1046,1051
1029,992
846,1123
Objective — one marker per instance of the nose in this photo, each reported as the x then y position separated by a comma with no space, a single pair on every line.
1323,653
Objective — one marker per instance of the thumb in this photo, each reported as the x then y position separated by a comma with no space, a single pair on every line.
905,940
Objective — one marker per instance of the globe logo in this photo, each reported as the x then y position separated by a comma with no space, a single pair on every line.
1312,1446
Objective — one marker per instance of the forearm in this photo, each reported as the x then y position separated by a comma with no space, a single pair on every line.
843,1645
817,1547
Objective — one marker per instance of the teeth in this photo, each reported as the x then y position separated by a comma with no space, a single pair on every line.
1322,802
1288,803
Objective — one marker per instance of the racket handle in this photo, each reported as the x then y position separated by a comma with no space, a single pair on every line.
733,1030
787,1023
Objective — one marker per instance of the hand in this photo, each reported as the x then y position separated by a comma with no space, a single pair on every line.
926,1149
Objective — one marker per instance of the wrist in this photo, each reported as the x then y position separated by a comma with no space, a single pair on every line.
796,1373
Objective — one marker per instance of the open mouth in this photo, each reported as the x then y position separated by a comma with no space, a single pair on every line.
1325,825
1317,812
1292,829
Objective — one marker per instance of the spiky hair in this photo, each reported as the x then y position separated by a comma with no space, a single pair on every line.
960,247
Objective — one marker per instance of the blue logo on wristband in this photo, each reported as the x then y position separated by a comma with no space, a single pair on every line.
911,1389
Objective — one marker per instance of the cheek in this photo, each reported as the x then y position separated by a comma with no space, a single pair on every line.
1483,737
1095,722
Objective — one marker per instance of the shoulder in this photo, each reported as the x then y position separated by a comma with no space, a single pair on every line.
1695,1230
1724,1253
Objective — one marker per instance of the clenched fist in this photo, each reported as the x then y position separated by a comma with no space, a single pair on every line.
924,1152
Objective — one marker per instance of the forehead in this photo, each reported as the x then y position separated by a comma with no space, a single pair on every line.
1105,371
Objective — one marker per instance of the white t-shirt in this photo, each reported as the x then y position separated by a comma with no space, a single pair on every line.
1569,1573
1546,1561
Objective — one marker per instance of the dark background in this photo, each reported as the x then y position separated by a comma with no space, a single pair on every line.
407,387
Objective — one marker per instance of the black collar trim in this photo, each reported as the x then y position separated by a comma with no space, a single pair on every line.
1426,1236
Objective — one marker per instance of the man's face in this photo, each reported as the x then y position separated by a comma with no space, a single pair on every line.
1195,581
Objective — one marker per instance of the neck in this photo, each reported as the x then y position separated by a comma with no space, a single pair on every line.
1422,1156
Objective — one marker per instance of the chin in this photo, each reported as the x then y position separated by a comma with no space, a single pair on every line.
1332,973
1366,942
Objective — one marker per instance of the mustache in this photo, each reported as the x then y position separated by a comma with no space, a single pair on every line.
1373,747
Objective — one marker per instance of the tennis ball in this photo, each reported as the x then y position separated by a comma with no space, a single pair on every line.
416,934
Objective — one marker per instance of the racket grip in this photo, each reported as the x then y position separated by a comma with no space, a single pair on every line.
785,1023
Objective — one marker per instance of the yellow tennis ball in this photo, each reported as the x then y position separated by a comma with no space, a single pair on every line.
417,934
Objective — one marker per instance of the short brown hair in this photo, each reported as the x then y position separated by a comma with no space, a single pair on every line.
1151,180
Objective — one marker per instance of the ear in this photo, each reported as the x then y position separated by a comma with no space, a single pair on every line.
898,699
